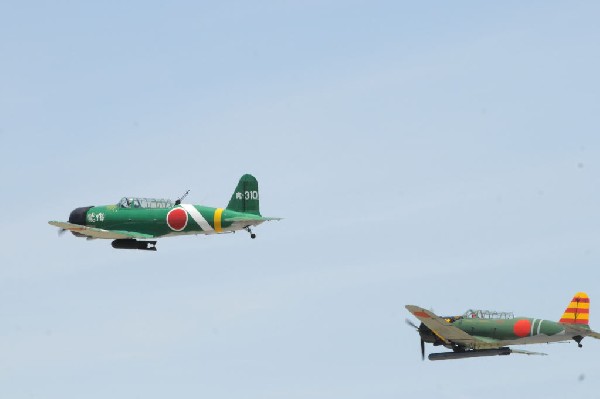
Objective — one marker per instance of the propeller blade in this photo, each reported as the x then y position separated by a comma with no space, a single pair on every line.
410,323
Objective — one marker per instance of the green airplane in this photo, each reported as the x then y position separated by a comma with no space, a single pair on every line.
134,223
480,333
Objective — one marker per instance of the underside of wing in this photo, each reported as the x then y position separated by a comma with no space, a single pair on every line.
487,340
446,331
522,352
94,232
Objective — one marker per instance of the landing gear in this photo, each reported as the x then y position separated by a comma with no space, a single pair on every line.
249,230
578,339
458,349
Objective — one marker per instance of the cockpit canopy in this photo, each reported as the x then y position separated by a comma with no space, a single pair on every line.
487,314
147,203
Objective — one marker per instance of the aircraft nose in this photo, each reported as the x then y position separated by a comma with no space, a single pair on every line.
78,215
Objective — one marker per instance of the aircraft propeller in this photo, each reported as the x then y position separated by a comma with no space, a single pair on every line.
410,323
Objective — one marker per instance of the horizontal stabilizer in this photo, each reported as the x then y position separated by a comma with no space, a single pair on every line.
254,220
593,334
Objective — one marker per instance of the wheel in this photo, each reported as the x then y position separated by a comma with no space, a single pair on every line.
253,236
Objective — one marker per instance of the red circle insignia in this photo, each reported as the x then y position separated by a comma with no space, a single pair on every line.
522,328
177,219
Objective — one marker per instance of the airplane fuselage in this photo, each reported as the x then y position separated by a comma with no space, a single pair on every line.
514,331
487,333
136,222
162,222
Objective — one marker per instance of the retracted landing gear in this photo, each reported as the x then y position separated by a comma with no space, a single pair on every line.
249,230
578,339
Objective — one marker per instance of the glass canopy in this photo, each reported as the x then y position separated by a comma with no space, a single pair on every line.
147,203
487,314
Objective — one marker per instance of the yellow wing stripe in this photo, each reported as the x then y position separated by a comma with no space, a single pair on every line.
218,213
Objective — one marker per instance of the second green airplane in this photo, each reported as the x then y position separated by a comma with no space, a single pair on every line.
134,223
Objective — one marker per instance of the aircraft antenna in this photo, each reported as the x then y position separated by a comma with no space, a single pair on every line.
178,201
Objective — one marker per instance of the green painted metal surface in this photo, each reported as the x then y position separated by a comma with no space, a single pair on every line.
509,329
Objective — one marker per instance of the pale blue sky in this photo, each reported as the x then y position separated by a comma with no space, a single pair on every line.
442,154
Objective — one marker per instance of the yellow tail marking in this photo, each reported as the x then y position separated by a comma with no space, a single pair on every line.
578,311
573,315
579,305
218,213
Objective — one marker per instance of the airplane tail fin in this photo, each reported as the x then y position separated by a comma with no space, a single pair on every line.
245,196
578,311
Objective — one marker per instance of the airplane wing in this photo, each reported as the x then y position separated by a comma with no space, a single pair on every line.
522,352
447,332
99,233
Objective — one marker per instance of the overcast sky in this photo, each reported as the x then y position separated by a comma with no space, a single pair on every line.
441,154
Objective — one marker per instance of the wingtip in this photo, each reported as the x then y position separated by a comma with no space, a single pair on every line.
528,353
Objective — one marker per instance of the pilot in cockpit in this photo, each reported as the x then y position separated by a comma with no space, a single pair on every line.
126,202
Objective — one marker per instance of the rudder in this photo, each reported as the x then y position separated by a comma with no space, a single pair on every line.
245,197
578,311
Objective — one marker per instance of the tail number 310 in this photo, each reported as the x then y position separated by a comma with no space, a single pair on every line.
247,195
